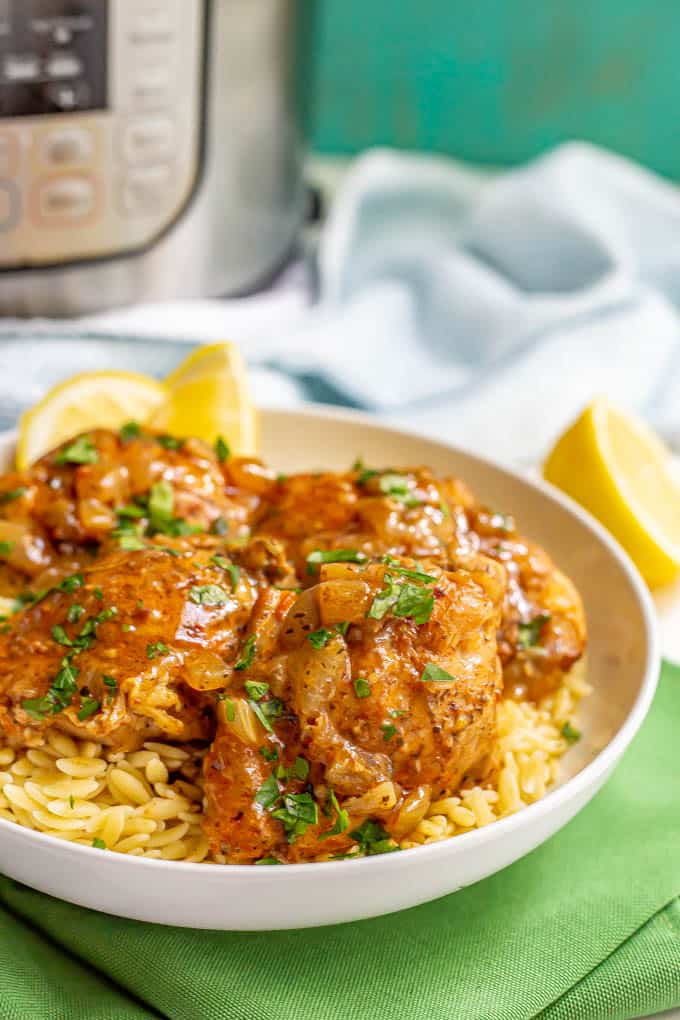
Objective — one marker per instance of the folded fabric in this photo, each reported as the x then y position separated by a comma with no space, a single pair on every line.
587,926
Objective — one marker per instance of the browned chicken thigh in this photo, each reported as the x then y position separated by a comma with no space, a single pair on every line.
132,647
368,513
369,694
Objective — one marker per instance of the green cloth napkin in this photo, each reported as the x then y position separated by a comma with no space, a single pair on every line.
587,927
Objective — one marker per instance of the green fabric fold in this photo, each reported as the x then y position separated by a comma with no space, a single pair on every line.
587,926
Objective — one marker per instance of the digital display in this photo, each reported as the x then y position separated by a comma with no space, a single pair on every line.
53,56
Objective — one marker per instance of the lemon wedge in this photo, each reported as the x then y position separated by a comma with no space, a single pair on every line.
617,468
86,401
208,396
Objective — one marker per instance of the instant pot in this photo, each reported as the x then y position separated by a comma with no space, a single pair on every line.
148,149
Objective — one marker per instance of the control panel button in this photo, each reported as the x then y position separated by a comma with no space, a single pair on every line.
151,22
63,65
9,155
71,145
148,140
68,95
143,190
20,67
69,198
9,205
151,87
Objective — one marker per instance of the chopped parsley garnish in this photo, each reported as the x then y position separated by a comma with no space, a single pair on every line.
269,793
99,594
365,474
229,706
98,843
266,711
71,583
161,503
11,494
397,487
269,860
297,812
300,769
341,817
59,695
388,731
130,542
131,430
435,674
333,556
170,442
342,628
319,638
219,526
81,451
445,509
269,754
529,634
60,636
372,838
232,569
6,548
414,575
208,595
157,648
88,706
570,734
362,688
71,802
110,681
222,449
247,653
403,600
256,689
74,613
131,511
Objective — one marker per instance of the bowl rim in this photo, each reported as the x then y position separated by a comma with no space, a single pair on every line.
587,778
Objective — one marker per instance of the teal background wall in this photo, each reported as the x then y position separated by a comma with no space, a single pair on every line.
497,81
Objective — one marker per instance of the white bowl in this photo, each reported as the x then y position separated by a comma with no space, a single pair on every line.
623,665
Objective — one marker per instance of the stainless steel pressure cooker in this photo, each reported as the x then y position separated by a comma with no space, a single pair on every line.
148,149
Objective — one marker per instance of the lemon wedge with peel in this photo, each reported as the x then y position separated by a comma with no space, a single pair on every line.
86,401
617,468
208,396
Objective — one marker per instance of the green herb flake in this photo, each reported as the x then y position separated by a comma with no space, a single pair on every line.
341,817
342,628
300,769
232,569
59,695
319,638
297,812
219,526
98,594
319,556
397,487
388,731
74,613
269,860
570,733
372,838
362,688
269,754
269,793
71,802
416,603
71,583
229,708
81,451
157,648
161,501
170,442
385,599
11,494
208,595
529,634
365,475
130,430
6,548
60,636
247,653
256,689
435,674
445,509
130,543
413,575
88,707
222,449
98,843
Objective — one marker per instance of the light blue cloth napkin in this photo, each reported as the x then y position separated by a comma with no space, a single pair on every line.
484,308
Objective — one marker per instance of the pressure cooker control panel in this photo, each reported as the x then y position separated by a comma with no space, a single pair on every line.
100,124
